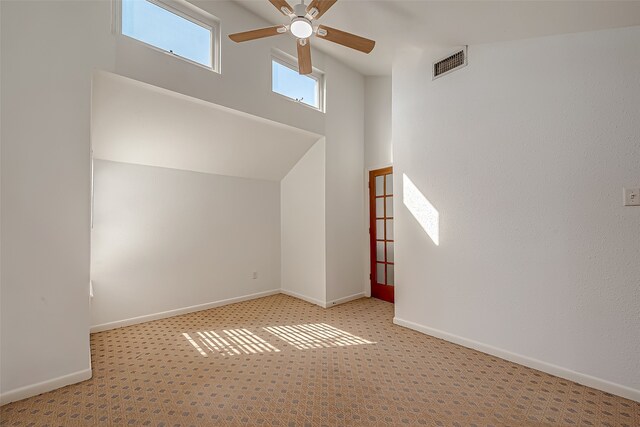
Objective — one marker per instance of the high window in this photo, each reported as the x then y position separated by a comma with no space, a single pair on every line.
173,26
306,89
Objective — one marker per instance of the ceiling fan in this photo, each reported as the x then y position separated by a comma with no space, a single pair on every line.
301,26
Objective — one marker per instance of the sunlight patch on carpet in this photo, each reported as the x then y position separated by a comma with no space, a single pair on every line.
229,342
315,335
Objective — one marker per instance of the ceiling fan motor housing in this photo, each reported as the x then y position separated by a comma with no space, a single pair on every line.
300,10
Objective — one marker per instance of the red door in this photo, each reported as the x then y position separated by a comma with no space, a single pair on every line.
381,233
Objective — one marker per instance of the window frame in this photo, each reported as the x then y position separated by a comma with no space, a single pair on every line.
184,10
292,63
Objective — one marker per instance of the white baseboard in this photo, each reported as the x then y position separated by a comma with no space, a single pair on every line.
303,297
323,304
44,386
584,379
179,311
206,306
345,299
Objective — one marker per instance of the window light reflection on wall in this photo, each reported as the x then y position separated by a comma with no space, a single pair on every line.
421,209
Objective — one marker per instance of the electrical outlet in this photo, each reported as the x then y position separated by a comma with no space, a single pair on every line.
254,275
631,196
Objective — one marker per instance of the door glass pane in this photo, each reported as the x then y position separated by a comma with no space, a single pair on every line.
389,184
380,273
389,251
380,229
390,278
379,185
389,201
380,251
380,207
389,229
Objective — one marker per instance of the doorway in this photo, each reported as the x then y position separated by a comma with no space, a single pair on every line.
381,233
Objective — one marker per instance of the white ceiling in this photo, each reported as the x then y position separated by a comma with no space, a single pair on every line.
398,24
133,122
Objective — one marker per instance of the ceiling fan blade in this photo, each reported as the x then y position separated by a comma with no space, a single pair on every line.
258,34
304,57
345,39
282,6
321,5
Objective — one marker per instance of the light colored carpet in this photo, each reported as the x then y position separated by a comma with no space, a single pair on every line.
281,361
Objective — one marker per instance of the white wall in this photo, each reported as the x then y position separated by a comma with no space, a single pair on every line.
44,329
165,239
45,185
245,82
302,201
133,122
524,153
346,225
377,119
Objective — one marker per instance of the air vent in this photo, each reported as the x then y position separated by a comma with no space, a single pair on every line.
450,63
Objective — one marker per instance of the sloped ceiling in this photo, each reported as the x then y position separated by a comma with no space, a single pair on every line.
438,25
137,123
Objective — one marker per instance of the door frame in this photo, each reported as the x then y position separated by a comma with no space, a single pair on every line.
384,292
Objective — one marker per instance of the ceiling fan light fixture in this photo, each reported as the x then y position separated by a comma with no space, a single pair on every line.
301,28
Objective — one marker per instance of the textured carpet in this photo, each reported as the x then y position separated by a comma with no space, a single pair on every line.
281,361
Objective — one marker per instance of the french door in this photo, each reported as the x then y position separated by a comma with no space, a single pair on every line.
381,233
